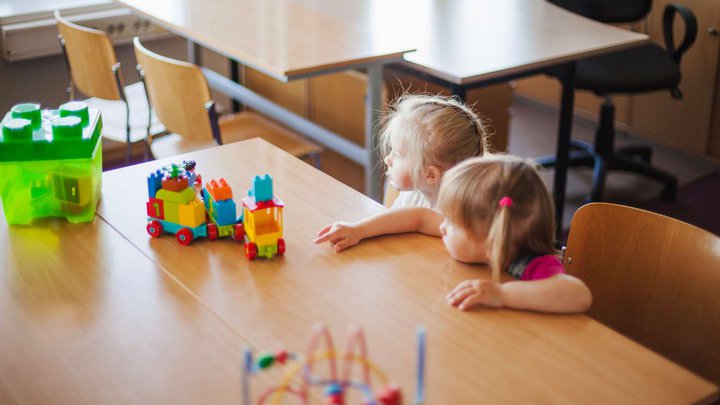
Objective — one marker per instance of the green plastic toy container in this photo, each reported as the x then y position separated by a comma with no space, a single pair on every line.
50,163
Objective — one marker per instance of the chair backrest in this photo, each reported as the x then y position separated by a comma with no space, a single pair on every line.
653,278
91,59
178,92
608,11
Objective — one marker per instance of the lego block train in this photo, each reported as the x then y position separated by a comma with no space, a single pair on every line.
178,203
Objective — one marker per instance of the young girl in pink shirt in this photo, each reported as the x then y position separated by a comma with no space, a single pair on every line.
494,210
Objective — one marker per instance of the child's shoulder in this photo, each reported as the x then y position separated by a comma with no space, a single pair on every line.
543,267
413,198
536,267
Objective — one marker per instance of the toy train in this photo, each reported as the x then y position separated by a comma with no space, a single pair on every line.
174,206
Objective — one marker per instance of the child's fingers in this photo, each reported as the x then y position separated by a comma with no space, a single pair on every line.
471,301
463,285
459,296
324,230
343,244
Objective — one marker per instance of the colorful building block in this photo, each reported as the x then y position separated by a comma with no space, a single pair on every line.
262,188
172,212
178,183
192,214
156,208
184,196
154,182
219,190
50,162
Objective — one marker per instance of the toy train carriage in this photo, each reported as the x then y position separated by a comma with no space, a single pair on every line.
263,220
221,211
174,207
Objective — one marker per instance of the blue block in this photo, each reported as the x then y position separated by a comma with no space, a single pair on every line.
154,182
225,212
262,188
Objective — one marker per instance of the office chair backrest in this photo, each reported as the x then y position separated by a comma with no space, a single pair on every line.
653,278
178,92
608,11
91,59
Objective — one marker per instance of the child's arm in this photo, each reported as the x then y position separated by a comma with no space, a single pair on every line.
408,219
560,294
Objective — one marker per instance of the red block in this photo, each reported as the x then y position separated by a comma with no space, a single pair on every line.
155,208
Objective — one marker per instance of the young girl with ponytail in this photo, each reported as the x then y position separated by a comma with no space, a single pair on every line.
494,210
498,211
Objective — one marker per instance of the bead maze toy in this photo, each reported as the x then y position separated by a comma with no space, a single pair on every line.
175,206
50,162
337,386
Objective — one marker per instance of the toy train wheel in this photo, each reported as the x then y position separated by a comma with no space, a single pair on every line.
212,231
239,232
184,236
154,228
250,250
281,246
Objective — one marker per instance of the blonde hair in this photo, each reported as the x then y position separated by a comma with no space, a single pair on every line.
470,195
434,130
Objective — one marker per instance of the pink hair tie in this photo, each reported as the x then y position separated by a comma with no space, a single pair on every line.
506,202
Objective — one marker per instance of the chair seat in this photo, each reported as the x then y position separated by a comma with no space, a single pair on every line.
239,127
114,120
640,69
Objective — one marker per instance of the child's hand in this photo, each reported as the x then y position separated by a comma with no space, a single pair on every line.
341,234
472,293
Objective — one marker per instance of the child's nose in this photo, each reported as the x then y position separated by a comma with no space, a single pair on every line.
388,161
443,230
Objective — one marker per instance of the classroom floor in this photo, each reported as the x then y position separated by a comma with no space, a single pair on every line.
532,125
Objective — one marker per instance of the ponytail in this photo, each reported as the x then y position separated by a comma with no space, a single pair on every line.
499,238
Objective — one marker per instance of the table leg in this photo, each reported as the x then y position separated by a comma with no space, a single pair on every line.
373,167
235,76
567,79
193,51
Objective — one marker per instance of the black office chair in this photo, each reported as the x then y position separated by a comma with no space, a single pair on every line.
636,70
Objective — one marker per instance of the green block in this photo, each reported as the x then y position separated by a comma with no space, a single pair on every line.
47,142
28,111
53,171
180,197
17,129
76,109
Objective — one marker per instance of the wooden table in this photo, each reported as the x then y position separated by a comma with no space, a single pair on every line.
388,285
85,317
287,40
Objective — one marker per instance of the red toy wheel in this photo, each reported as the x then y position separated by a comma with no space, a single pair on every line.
250,250
212,231
154,228
239,232
281,246
184,236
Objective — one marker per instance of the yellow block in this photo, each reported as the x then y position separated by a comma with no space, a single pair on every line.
172,212
193,214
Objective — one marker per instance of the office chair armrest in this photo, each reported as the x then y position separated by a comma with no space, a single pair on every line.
690,30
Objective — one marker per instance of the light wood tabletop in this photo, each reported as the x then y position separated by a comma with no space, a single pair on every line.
464,41
388,285
281,38
87,318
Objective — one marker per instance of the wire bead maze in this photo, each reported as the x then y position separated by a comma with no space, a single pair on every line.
339,381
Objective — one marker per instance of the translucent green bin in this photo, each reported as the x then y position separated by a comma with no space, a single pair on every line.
50,163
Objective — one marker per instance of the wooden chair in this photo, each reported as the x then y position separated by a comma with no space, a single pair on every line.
653,278
95,71
180,96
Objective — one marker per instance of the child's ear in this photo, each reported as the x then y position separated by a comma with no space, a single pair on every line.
433,174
